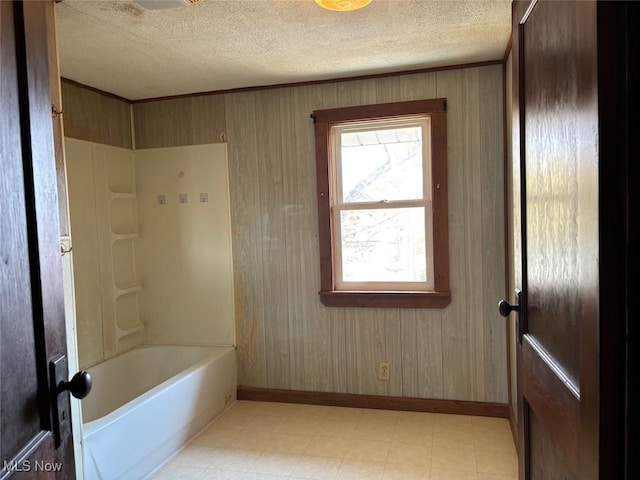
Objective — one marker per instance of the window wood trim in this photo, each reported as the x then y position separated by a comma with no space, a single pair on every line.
440,297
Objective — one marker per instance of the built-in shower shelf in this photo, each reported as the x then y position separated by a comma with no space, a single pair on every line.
124,236
120,333
123,195
127,290
123,214
123,226
127,235
103,184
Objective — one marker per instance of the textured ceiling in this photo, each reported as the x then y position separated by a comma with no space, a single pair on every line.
135,52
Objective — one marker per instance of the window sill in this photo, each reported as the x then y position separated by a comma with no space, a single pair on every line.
385,299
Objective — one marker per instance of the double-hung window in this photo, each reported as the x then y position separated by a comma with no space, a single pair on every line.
382,205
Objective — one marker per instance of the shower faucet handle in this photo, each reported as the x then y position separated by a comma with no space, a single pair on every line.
79,386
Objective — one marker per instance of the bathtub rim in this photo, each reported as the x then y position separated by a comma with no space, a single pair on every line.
89,428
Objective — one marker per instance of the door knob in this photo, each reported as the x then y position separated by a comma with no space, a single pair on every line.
505,308
79,386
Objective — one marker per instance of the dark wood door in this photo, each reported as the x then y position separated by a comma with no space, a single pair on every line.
559,169
32,331
571,118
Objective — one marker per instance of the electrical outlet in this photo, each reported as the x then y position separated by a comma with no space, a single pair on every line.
384,371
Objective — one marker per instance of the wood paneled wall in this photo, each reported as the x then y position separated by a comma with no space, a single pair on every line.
286,337
196,120
92,116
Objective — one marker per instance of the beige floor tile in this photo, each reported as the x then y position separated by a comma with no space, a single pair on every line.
415,418
447,458
406,454
360,470
217,474
281,409
264,408
374,431
249,440
316,468
379,416
461,422
368,450
311,411
487,476
491,424
235,419
275,464
327,447
444,474
245,406
424,439
273,441
263,476
494,441
413,434
449,436
343,413
414,428
235,459
302,426
218,436
196,456
497,463
405,472
338,428
288,443
269,423
179,472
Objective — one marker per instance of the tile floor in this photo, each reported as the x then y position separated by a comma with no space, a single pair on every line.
276,441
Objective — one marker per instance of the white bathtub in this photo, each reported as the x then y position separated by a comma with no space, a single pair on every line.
147,403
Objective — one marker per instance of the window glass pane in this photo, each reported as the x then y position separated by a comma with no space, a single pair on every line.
384,164
383,245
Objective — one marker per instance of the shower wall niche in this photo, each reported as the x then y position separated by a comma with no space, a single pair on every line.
104,231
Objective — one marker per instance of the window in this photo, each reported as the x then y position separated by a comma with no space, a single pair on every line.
382,205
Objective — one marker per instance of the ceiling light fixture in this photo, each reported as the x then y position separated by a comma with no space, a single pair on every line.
343,5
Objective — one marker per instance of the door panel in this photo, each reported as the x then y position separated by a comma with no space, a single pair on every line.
554,402
31,309
544,455
551,155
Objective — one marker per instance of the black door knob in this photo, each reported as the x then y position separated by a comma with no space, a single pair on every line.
505,308
79,386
